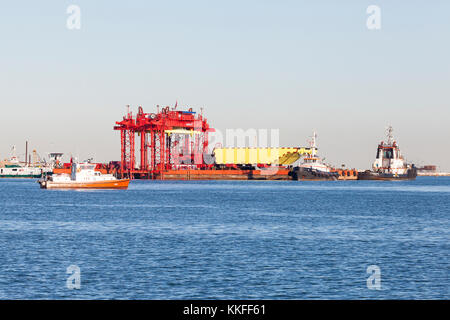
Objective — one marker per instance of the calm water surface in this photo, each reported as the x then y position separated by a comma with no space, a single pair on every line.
227,240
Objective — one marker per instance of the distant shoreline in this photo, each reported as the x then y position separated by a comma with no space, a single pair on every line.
434,174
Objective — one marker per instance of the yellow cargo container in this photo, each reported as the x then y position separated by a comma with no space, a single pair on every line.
280,156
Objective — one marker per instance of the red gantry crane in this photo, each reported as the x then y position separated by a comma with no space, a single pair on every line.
169,139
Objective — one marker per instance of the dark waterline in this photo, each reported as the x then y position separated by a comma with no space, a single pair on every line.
227,240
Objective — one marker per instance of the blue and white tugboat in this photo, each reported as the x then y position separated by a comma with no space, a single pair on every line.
389,164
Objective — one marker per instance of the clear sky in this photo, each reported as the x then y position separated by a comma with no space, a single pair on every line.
296,66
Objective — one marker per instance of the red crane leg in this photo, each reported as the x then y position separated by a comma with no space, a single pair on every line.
123,151
162,143
143,151
153,149
132,153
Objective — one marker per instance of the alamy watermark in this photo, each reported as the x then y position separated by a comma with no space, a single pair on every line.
265,140
374,280
73,21
74,280
374,19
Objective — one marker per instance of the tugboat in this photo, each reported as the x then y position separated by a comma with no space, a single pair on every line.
389,163
312,167
83,176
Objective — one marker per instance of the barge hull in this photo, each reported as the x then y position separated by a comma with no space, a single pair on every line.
267,174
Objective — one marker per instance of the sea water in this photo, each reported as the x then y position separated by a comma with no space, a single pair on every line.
227,240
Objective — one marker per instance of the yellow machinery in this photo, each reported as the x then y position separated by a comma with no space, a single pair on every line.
279,156
182,131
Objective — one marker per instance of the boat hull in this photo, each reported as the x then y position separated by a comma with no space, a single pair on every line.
299,173
113,184
370,175
25,176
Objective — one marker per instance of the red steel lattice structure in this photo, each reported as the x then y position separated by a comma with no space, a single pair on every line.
169,139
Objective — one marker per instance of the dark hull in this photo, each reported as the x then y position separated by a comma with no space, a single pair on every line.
298,173
370,175
16,176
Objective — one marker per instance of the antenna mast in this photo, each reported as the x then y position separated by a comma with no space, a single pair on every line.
313,144
390,135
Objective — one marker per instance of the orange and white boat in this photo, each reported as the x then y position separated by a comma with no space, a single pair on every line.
83,176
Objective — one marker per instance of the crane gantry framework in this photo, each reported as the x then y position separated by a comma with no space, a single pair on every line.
169,139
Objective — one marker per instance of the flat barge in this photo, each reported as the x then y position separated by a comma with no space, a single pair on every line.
276,174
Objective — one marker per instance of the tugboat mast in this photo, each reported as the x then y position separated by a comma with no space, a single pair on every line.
313,144
390,135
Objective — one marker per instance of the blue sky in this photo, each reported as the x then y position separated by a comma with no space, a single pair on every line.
296,66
